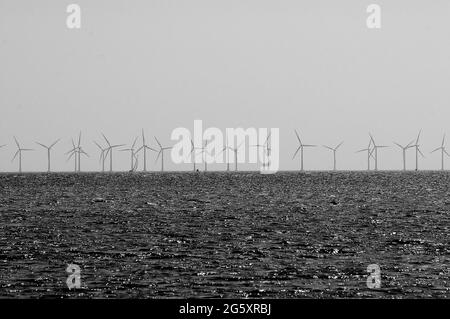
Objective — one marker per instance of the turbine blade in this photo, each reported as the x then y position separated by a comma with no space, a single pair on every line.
420,152
55,142
435,150
151,149
339,145
418,136
15,155
409,144
298,137
296,152
134,143
98,146
158,142
41,145
398,145
107,142
70,156
72,150
17,143
372,139
157,157
328,147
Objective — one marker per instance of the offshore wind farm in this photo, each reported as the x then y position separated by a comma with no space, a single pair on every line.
198,154
224,149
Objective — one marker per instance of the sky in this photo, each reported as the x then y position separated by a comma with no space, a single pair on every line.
309,65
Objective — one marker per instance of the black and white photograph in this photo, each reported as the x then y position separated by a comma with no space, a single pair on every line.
241,151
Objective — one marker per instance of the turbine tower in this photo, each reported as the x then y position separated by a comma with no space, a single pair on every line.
443,151
19,152
375,149
49,149
109,151
161,153
300,148
334,153
132,153
203,150
418,150
227,156
404,148
193,149
144,149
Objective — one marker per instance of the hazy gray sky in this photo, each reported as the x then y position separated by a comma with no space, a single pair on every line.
311,65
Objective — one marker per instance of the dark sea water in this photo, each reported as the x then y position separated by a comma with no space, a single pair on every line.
287,235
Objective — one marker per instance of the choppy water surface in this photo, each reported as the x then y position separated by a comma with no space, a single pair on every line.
225,235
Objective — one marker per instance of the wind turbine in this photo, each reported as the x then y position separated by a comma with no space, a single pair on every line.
103,154
161,152
19,152
49,148
109,150
266,148
369,153
132,153
404,148
375,149
235,150
418,150
334,153
443,150
227,156
76,151
300,148
144,148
